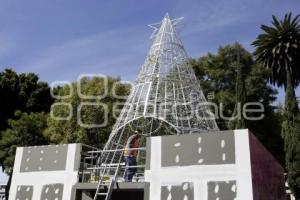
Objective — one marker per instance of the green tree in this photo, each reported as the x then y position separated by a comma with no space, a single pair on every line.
66,131
217,73
278,49
22,92
294,155
240,94
24,130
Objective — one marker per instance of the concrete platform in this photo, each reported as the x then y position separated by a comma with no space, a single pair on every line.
119,185
122,190
202,166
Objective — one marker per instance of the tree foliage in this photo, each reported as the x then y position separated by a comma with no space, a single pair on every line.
293,153
278,49
66,131
22,92
24,130
217,73
240,93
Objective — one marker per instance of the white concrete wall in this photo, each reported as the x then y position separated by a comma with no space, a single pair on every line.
199,175
68,177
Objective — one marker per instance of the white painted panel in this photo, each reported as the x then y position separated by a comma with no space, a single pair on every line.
199,175
244,181
67,177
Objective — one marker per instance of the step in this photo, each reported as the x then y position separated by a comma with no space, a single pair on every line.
102,194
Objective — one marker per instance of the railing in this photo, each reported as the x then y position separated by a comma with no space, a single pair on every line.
91,165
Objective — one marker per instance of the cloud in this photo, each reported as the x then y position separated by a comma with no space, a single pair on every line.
8,44
113,52
207,15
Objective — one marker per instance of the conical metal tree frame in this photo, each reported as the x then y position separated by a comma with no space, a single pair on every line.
166,98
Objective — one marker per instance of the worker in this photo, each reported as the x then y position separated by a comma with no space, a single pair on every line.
130,155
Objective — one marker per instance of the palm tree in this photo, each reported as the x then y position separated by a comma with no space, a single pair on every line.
278,48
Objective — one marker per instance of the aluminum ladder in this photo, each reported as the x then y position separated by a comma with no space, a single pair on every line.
107,169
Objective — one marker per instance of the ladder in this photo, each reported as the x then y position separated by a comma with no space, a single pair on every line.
105,169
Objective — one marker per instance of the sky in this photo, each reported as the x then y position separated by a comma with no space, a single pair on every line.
61,39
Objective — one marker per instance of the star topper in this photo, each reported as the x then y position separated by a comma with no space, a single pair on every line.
156,26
